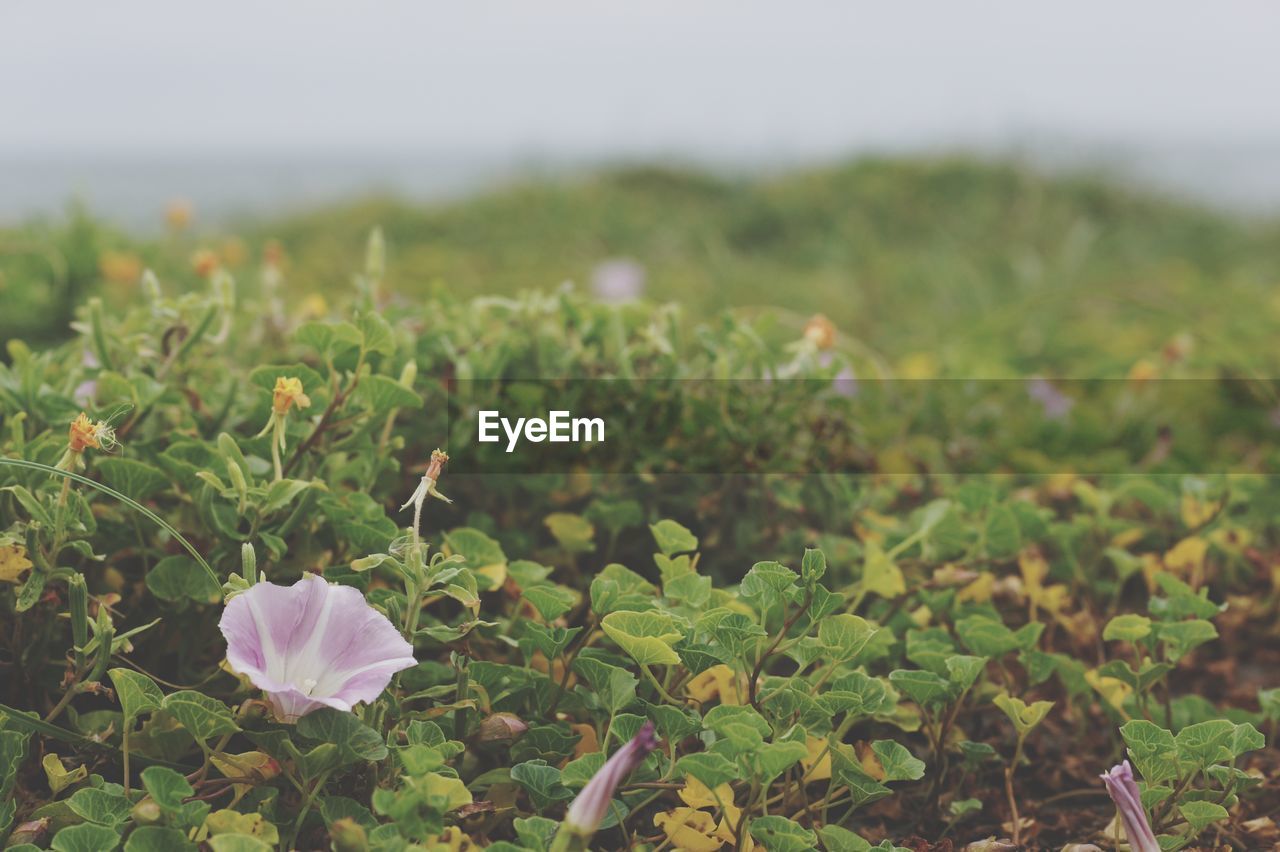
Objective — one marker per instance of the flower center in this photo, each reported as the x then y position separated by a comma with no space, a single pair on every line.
308,684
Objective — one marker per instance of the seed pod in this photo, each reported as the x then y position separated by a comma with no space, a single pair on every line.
500,728
106,633
78,601
249,563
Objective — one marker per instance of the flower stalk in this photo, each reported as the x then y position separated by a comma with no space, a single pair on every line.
287,394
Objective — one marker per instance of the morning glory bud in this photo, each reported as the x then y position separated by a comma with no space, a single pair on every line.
588,810
1123,790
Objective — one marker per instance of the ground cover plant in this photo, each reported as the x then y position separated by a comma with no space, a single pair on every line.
247,604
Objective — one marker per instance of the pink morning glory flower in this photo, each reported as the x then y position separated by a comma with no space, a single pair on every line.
589,808
1124,792
312,645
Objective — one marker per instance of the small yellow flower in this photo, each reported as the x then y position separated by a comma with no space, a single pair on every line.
85,433
288,393
13,562
820,331
205,262
178,214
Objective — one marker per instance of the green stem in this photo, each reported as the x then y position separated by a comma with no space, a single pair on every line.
128,501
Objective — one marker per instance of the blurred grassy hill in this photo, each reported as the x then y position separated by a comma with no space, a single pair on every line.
991,268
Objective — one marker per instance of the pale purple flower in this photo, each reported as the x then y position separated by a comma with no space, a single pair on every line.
85,393
618,280
845,382
312,645
1124,792
589,808
1055,403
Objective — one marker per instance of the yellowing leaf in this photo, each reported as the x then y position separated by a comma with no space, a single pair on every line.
817,764
250,764
1112,690
872,526
1233,539
689,829
918,366
1187,558
451,789
59,778
13,562
1196,512
454,839
1023,715
718,682
979,591
1127,538
880,574
588,743
695,794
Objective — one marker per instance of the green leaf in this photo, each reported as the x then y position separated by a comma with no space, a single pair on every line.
177,578
1181,637
202,716
986,636
1152,748
237,843
535,832
1206,743
1024,716
689,589
96,805
478,549
129,476
779,834
647,637
328,338
963,670
577,773
383,395
618,587
614,686
863,789
709,768
844,636
137,693
551,601
1246,738
924,688
166,786
1002,534
772,759
813,566
541,782
1127,628
1201,814
837,839
155,838
768,584
549,640
735,632
86,837
355,740
672,537
880,574
377,333
572,532
899,764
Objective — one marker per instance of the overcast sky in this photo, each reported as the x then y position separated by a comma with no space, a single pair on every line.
798,77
